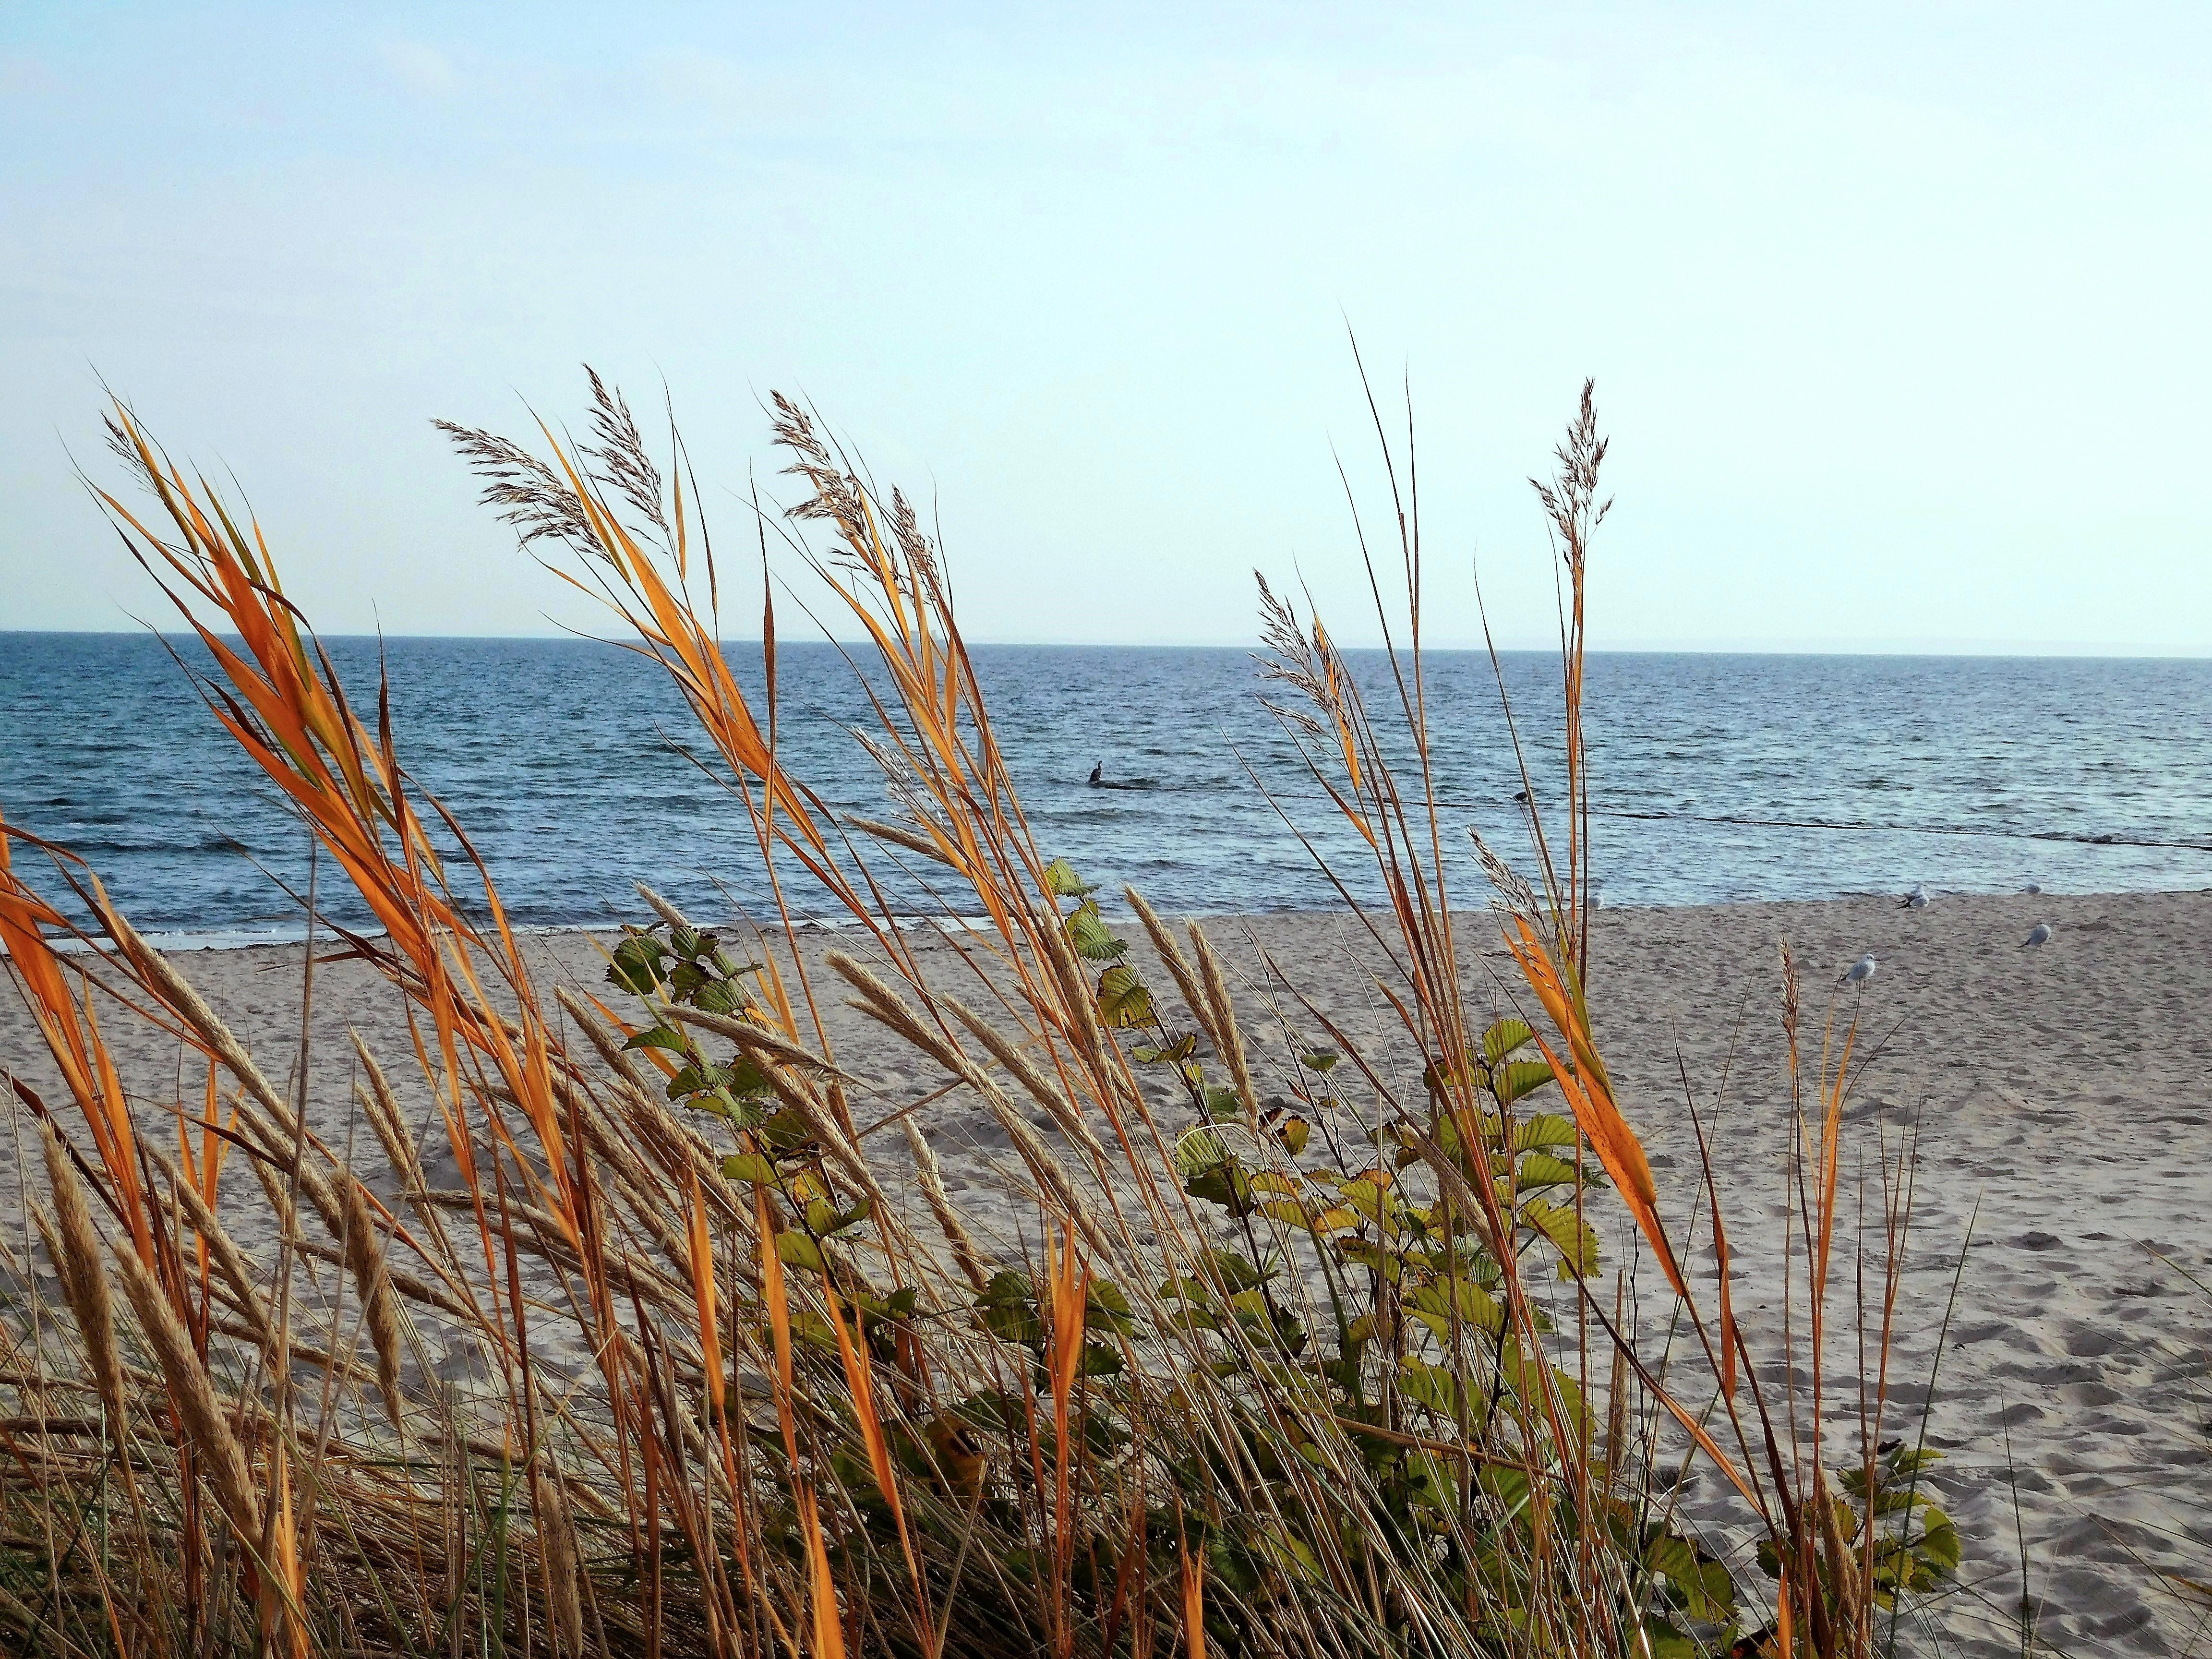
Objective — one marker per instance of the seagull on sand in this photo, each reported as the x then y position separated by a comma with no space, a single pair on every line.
1859,972
2039,934
1918,899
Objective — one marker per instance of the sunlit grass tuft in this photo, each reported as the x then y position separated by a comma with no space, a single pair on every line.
1346,1375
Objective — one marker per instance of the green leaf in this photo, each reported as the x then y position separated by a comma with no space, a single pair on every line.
1223,1105
1702,1584
1436,1388
1503,1038
1009,1309
720,996
661,1036
1518,1077
1175,1052
1226,1184
1061,881
1662,1641
787,1131
1123,1001
1478,1309
796,1249
749,1166
1939,1543
1370,1195
1319,1059
1541,1170
1505,1482
1546,1129
1107,1308
1388,1263
1529,1379
1237,1271
1198,1150
636,965
1089,936
826,1220
1574,1240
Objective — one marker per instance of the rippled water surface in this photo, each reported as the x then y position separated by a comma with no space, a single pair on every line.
1970,774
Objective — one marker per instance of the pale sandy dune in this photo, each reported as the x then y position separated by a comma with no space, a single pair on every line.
2067,1090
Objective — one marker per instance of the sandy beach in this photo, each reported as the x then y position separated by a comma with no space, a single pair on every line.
2060,1095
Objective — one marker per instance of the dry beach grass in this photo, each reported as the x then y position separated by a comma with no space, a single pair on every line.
1062,1283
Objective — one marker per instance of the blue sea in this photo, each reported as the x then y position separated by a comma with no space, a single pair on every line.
1716,778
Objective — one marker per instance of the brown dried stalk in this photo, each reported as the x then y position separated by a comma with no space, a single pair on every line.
379,1309
198,1407
84,1281
1228,1040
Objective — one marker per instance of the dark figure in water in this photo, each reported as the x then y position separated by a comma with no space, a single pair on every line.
1098,775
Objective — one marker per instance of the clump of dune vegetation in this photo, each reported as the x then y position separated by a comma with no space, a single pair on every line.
1353,1375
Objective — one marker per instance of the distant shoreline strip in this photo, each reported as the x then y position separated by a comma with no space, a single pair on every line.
2076,839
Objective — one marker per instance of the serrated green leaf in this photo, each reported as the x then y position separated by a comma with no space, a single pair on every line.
1090,938
1940,1544
1477,1309
1541,1170
1503,1038
1662,1641
1702,1584
1199,1149
636,964
1008,1306
1225,1184
1061,881
1175,1053
720,996
1438,1387
749,1166
1546,1129
1519,1077
796,1249
1574,1240
1123,1001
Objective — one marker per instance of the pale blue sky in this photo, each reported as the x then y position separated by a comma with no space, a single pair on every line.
1897,312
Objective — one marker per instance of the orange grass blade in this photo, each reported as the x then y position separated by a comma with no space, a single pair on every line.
829,1619
1193,1604
702,1286
72,1032
859,1380
1590,1095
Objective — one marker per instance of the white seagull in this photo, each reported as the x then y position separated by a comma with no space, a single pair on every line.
1918,899
2039,934
1859,972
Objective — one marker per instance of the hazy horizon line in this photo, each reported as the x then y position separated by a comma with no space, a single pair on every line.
2110,651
